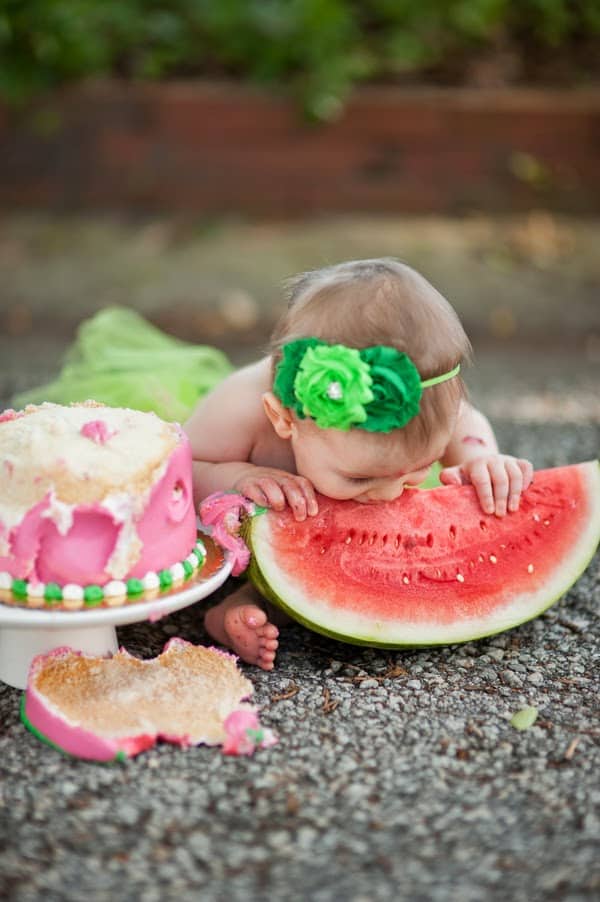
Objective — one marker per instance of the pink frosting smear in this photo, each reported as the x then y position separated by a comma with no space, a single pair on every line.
97,431
166,529
10,414
472,440
245,734
222,512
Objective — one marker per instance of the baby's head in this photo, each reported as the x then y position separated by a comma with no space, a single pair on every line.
361,305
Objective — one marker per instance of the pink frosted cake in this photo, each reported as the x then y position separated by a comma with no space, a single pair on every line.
96,506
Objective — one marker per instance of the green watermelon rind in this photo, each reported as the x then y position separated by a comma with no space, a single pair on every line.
264,574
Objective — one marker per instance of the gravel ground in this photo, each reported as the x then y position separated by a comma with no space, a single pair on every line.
397,775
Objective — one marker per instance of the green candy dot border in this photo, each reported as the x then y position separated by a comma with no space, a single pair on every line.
93,594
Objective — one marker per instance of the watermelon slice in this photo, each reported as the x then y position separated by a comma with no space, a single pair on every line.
429,568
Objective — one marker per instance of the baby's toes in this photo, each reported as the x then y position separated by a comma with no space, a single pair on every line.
268,645
266,658
253,616
269,631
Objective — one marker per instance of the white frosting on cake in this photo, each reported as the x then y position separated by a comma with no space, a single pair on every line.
45,451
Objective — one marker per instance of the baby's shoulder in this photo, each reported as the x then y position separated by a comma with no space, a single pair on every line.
241,391
247,384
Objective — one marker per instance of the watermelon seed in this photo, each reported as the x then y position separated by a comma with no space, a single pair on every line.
546,522
460,577
323,550
405,580
530,568
372,538
348,539
397,540
537,518
483,525
452,532
384,540
493,559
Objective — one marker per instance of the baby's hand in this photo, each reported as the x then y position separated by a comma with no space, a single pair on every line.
498,479
274,488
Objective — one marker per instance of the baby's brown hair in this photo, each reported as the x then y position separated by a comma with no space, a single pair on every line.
382,302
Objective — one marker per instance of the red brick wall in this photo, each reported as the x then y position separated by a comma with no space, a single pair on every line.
213,148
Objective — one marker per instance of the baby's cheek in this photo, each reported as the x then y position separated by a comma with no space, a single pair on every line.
332,488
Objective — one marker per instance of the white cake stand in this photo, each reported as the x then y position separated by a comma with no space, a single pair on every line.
27,632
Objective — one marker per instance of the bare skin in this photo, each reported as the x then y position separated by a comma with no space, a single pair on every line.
240,622
243,438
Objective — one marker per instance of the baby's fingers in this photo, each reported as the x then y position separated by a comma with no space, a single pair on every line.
526,468
482,482
266,492
515,476
300,496
451,476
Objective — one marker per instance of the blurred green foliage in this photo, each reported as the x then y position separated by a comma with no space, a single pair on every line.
315,49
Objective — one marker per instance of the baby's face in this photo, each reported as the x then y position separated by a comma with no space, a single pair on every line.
352,465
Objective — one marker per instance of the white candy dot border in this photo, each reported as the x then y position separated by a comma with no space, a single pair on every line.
115,593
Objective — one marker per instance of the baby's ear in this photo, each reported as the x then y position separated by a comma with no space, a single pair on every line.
281,417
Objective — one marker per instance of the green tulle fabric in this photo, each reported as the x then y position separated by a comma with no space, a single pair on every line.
121,359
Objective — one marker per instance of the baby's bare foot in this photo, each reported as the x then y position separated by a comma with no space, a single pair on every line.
251,635
245,629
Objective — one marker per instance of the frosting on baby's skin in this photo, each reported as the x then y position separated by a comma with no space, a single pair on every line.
98,431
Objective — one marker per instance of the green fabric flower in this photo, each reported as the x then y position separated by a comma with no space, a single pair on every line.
377,389
333,385
396,389
291,358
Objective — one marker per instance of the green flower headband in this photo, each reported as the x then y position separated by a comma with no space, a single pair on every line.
377,388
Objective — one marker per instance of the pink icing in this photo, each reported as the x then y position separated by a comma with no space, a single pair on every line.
166,528
10,414
222,511
70,738
97,431
243,731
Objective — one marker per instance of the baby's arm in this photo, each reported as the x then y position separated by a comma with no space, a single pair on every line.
472,456
225,431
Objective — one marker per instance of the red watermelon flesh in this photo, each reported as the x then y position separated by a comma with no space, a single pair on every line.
430,567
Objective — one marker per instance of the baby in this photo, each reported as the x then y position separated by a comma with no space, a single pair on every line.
359,397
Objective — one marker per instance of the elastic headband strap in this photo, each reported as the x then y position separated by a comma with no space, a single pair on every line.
427,383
